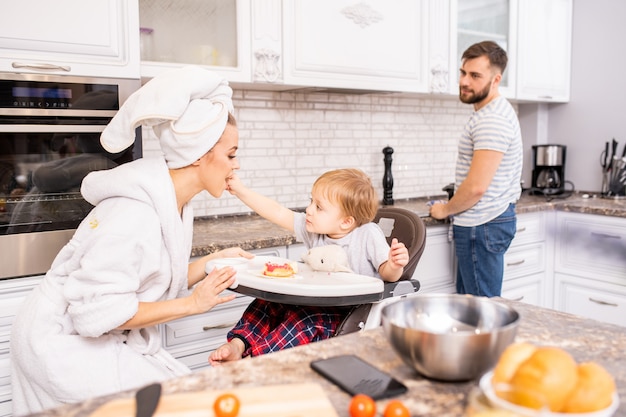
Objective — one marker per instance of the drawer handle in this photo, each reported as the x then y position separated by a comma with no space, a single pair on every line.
516,263
219,326
604,303
517,299
43,67
521,229
605,236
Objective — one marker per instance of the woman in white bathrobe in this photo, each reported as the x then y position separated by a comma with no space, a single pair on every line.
90,328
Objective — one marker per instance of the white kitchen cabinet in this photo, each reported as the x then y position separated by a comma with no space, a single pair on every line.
99,39
591,298
478,20
373,45
12,294
590,266
537,36
436,270
527,270
544,50
212,33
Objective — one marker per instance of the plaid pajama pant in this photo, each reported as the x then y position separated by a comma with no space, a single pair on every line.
269,327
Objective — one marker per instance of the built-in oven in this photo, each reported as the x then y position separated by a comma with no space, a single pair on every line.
50,129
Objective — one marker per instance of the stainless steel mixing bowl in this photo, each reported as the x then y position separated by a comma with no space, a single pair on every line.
449,337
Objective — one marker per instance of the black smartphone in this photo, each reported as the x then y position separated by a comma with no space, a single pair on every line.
356,376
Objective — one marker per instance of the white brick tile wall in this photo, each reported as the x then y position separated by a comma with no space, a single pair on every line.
286,140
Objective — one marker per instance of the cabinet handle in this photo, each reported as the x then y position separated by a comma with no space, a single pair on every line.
605,236
604,303
42,66
521,229
219,326
517,299
516,263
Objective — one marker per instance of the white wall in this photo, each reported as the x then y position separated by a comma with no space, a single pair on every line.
596,112
288,139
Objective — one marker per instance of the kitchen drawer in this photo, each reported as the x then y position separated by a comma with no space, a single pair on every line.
12,294
531,227
202,327
590,298
528,289
524,260
592,246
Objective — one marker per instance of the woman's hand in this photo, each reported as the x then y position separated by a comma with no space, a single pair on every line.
235,252
206,294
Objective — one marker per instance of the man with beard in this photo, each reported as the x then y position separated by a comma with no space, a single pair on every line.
488,173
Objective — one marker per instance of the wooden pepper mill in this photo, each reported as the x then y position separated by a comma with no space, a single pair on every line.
388,178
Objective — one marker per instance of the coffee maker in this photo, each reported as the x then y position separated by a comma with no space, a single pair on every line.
548,177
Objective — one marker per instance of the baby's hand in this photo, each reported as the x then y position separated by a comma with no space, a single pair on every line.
398,254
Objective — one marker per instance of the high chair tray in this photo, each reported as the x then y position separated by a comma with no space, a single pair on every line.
306,287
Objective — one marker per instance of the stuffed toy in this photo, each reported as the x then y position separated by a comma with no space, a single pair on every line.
329,258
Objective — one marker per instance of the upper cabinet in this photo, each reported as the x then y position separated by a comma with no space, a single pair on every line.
544,50
368,45
71,37
479,20
212,33
411,46
537,36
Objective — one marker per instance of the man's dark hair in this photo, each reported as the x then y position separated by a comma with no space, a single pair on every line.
496,55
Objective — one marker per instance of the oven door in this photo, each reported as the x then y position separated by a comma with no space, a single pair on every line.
41,170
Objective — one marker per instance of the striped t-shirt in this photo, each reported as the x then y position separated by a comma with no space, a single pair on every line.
494,127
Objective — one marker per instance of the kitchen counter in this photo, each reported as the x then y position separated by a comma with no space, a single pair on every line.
586,340
251,231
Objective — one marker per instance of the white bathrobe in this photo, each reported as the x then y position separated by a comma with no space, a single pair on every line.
132,247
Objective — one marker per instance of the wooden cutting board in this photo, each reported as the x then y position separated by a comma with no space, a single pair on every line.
294,400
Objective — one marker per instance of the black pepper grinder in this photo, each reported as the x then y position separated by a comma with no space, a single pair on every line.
388,178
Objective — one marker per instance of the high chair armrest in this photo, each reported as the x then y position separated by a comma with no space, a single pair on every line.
398,288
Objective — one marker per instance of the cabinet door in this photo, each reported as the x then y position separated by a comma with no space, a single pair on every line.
529,289
436,269
211,33
478,20
374,45
590,298
544,50
71,37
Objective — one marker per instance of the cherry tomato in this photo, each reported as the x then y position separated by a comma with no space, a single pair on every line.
396,408
226,405
362,405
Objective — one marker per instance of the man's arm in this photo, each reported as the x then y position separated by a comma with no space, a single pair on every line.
484,165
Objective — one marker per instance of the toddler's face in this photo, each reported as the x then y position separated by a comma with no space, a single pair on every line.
324,217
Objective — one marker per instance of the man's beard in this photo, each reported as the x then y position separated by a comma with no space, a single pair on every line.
476,97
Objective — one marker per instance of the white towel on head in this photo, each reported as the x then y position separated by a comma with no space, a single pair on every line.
187,108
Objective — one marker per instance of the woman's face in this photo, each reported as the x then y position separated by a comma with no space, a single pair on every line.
219,164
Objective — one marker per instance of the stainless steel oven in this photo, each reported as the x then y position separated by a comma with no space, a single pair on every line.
50,129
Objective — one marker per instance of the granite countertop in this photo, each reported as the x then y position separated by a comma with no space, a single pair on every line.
585,339
251,231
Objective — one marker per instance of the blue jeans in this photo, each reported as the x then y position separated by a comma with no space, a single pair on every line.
480,254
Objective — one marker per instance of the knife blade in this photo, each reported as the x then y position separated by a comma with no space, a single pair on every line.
147,400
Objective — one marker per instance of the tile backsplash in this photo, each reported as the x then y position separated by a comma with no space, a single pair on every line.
287,139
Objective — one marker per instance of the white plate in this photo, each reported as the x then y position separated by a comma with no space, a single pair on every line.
259,273
486,386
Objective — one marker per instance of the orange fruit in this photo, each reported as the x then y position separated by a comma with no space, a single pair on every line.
510,360
593,391
550,372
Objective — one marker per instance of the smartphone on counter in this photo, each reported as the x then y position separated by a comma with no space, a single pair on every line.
356,376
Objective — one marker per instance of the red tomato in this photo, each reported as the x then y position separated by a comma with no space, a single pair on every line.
362,406
226,405
396,408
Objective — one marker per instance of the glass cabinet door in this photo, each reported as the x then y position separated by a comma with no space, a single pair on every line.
198,32
479,20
